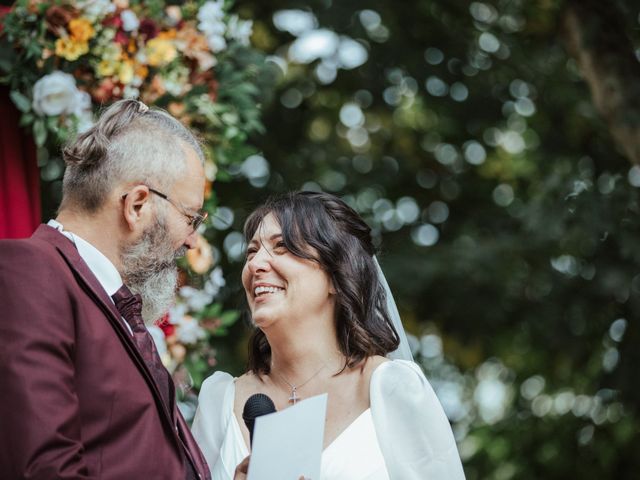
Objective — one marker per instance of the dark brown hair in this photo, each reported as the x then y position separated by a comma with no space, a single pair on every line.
345,251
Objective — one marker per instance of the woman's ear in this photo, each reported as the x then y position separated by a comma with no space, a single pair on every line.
133,203
332,288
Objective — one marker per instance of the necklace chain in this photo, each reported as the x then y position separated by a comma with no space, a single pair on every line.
294,398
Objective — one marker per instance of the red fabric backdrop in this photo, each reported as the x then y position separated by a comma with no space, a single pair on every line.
19,175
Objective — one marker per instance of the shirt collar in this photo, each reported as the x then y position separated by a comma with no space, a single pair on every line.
100,266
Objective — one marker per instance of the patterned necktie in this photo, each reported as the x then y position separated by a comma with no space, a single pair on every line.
130,307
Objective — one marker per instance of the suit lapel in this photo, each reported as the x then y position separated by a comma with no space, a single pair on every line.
92,286
85,276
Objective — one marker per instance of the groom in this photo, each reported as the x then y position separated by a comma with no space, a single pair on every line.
84,394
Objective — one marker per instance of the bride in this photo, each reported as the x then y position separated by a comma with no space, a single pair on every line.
318,302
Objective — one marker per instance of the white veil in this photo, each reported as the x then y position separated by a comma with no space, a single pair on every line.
403,351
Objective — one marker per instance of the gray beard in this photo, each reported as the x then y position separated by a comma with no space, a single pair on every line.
149,269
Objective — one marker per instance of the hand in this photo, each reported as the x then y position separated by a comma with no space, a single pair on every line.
241,469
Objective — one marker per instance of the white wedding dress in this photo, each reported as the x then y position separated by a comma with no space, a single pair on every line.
404,435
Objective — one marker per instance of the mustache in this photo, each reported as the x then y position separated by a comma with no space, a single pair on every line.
171,263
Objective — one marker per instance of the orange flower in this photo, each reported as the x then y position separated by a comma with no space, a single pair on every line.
168,35
200,258
141,70
157,85
189,40
208,189
104,91
176,108
194,45
33,6
81,29
132,47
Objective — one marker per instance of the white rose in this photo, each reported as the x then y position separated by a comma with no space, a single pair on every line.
211,11
216,43
85,121
82,103
239,30
95,9
189,330
210,18
54,94
130,21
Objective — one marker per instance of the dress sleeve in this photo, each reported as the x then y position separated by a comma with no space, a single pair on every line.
413,432
212,417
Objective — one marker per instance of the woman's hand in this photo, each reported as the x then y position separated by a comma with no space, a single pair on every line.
241,469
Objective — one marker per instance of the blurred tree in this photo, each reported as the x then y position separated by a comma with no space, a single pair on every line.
596,37
488,145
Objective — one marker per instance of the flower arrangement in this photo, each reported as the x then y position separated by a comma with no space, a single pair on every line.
65,59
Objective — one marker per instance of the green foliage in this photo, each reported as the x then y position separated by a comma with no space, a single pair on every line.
523,252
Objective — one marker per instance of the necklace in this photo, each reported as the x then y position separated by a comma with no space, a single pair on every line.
294,398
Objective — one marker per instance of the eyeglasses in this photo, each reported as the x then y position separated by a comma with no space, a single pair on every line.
195,220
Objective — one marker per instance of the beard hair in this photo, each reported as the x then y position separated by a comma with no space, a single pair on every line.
149,268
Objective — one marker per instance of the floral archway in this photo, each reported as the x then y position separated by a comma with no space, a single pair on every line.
61,62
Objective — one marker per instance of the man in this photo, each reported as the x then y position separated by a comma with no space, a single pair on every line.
83,393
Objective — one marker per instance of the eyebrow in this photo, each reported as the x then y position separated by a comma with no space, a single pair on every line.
271,238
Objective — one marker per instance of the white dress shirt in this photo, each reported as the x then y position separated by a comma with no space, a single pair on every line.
101,267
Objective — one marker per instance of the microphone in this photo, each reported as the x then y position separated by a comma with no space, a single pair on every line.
256,405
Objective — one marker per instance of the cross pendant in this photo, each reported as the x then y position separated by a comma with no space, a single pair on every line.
294,397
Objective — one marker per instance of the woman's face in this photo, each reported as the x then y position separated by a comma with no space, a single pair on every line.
281,285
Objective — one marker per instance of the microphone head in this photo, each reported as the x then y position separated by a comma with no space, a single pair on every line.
256,405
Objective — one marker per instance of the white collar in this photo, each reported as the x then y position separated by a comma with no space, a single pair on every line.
100,266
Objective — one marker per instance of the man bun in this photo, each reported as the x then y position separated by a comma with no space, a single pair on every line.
90,148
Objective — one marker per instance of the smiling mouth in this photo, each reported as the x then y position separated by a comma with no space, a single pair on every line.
260,291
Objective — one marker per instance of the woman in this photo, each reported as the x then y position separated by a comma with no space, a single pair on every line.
320,312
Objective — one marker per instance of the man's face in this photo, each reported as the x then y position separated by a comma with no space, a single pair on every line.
149,268
149,263
187,197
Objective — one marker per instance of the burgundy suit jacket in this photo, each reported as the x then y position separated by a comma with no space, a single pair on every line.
76,398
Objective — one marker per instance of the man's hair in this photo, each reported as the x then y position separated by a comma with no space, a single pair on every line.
130,142
344,250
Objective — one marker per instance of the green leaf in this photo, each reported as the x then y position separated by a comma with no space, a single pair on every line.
21,101
7,58
39,132
223,176
26,119
220,332
228,318
52,123
212,310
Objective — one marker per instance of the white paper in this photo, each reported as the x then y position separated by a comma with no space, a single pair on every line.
288,444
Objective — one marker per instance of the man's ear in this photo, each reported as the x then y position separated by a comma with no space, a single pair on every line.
133,203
